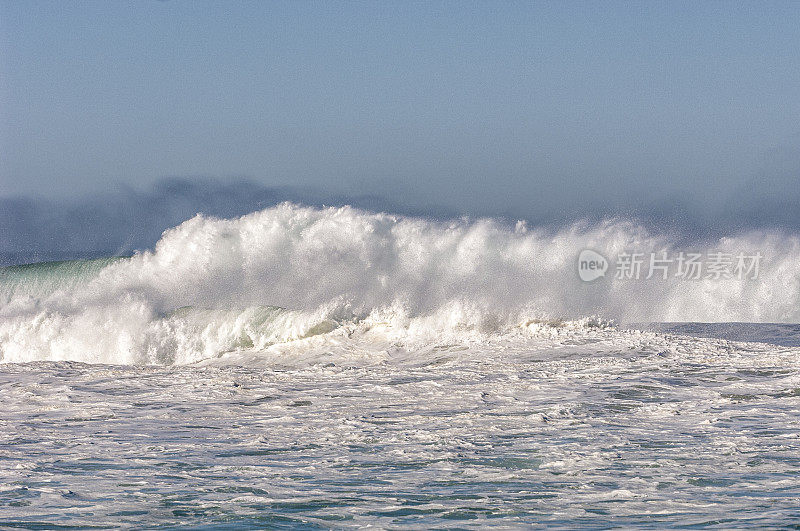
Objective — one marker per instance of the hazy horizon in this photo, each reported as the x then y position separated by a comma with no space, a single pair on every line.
685,115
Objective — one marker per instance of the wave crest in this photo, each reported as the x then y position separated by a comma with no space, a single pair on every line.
215,285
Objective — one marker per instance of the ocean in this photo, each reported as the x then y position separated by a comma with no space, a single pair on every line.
337,368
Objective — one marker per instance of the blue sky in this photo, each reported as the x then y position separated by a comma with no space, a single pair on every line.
483,107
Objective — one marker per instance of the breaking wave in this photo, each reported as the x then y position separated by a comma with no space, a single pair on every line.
290,274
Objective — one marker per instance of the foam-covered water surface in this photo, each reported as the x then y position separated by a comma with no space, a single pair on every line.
587,426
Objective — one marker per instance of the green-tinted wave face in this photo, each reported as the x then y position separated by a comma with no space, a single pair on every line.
44,278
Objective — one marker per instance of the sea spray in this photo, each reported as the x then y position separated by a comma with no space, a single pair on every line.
284,274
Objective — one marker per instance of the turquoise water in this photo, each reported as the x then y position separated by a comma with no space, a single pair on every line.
43,278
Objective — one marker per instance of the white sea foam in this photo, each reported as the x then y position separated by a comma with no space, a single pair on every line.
338,368
290,273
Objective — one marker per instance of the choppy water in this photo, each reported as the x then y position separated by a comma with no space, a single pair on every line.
592,428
